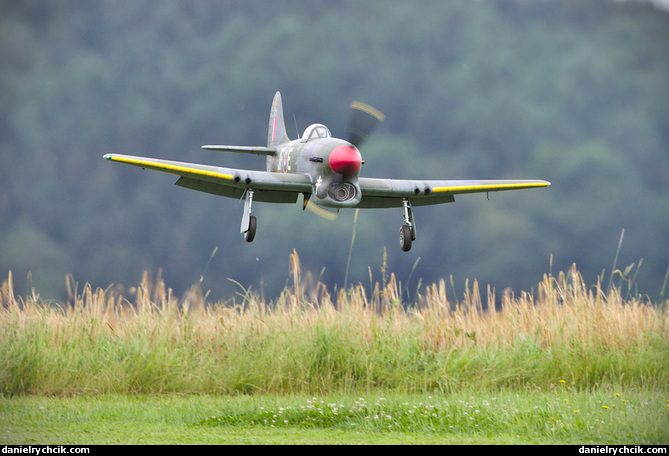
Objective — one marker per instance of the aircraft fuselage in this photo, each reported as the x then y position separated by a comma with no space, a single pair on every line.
332,164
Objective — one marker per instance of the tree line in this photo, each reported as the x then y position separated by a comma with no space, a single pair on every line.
567,91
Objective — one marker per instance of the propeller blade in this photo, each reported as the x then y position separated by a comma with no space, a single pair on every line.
321,212
364,119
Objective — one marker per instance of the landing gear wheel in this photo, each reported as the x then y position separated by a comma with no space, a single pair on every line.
405,238
250,234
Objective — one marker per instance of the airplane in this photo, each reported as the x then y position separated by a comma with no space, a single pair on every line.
324,169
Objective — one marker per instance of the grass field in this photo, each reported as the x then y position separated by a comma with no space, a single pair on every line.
570,364
559,416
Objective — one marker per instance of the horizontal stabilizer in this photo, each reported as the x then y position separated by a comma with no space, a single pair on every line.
243,149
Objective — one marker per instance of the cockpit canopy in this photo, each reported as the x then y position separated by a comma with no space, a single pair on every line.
316,131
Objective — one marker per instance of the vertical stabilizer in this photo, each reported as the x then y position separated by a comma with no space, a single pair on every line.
277,128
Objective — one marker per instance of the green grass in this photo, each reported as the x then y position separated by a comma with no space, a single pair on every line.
310,342
559,415
570,364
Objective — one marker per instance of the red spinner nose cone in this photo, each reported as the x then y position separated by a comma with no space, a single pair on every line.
345,160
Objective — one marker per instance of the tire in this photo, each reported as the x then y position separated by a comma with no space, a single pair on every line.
250,234
405,238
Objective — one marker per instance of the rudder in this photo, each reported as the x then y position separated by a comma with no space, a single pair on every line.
277,128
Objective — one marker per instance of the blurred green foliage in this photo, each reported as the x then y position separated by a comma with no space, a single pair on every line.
568,91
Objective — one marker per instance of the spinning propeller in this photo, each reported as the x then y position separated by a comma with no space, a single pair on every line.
364,119
346,160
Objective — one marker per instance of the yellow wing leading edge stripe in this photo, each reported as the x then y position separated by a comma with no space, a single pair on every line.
163,167
491,187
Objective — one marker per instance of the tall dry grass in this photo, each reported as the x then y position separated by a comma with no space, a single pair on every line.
311,341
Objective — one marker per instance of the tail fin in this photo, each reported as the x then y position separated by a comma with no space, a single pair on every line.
277,127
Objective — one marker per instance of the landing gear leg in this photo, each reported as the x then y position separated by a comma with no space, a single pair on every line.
249,222
408,228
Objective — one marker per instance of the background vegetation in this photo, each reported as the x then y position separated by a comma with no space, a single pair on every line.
569,91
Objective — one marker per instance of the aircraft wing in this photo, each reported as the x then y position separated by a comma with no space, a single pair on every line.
380,193
230,182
